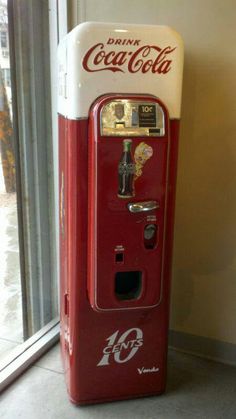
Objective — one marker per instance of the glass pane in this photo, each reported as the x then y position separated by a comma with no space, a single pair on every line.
28,296
11,325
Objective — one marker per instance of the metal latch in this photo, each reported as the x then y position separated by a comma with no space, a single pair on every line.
143,206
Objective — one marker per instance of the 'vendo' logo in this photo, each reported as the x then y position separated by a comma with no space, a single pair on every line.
122,348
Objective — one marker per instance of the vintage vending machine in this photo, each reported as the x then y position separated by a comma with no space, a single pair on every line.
119,111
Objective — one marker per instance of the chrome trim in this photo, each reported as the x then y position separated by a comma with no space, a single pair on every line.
96,306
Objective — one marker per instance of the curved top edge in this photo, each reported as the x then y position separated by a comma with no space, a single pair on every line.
90,25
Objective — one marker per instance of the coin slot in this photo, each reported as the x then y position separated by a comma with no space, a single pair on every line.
128,285
120,125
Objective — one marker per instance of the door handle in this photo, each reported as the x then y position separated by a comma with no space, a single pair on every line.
143,206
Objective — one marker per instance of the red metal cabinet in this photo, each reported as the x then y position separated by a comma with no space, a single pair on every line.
117,167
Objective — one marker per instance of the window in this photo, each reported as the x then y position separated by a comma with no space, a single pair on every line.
33,115
5,53
6,76
3,39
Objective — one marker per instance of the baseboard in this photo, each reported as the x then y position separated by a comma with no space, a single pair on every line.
205,347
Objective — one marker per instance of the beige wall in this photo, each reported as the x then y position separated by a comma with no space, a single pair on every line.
204,274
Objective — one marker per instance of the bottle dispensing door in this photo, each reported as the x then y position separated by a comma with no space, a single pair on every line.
128,170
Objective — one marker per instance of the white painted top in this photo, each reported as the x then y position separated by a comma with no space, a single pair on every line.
99,58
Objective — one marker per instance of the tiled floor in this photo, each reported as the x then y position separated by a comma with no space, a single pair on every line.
197,388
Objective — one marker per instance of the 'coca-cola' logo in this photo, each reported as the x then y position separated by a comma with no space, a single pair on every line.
126,168
147,58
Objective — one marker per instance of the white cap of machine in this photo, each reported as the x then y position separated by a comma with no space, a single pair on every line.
99,58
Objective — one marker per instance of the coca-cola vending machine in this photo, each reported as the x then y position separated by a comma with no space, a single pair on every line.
119,111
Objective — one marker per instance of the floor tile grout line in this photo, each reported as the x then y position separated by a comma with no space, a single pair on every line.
48,369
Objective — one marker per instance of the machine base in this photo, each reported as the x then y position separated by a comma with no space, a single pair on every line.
115,399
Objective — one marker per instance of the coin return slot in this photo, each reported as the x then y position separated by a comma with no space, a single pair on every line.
128,285
119,257
150,236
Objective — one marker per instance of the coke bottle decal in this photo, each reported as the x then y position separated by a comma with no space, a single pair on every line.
128,169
